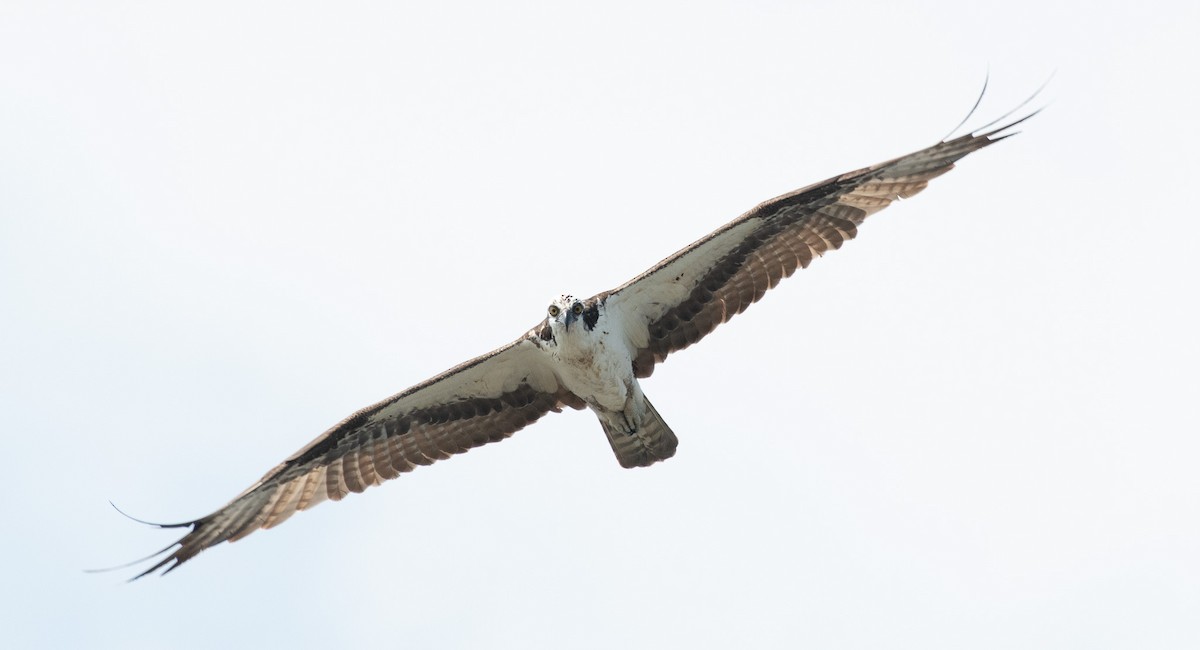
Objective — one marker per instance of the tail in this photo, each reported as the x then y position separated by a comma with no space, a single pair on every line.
652,442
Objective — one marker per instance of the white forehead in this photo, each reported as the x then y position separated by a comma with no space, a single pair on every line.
564,299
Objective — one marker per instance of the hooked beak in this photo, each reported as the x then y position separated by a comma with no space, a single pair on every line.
569,318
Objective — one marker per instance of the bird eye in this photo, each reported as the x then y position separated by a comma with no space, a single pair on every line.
553,311
577,308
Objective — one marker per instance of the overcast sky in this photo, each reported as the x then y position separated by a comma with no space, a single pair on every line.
225,226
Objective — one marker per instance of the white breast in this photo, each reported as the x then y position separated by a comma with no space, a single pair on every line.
595,365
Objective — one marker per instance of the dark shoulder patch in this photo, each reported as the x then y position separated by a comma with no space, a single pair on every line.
591,315
546,334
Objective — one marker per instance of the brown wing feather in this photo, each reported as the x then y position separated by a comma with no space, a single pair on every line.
692,292
385,440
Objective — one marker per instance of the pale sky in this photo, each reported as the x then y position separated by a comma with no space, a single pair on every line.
225,226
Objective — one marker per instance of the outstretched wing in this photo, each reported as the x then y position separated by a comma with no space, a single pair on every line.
689,294
481,401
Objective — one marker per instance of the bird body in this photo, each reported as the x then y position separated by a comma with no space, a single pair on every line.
590,351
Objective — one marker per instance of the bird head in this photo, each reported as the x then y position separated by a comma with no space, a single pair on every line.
565,310
566,314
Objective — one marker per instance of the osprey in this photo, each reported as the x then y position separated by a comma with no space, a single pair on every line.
586,353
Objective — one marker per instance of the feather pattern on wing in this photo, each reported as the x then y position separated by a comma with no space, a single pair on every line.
689,294
483,400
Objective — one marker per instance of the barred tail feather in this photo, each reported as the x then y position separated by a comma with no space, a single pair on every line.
652,442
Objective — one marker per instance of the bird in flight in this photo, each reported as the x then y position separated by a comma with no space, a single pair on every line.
585,353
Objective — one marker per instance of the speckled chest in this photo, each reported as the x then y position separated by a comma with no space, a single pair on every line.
595,365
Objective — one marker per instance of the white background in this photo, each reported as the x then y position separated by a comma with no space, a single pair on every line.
224,226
